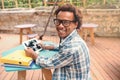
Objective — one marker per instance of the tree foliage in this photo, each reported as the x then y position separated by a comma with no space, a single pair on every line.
38,3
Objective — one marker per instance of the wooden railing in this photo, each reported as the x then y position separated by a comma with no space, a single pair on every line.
36,3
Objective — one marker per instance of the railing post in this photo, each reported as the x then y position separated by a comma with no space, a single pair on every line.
16,3
84,3
63,1
29,1
44,2
104,1
71,2
2,4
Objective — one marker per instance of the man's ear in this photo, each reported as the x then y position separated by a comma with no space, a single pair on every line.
76,24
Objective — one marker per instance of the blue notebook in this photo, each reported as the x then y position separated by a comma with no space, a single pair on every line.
18,66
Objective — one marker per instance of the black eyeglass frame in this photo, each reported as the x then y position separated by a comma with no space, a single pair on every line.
63,22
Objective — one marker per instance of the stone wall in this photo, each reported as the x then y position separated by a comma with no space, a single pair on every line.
107,19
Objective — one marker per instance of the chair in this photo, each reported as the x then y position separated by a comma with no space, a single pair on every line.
30,36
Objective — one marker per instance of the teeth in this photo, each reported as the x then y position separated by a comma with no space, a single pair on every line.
61,30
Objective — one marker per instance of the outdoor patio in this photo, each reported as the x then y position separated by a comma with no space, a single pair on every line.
105,57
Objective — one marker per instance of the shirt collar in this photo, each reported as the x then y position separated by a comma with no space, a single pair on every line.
68,37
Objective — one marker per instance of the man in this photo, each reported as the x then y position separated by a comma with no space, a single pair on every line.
72,60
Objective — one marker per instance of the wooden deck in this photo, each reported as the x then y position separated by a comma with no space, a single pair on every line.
105,58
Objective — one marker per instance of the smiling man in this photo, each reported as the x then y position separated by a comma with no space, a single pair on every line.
72,60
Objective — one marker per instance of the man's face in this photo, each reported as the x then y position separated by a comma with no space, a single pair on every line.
66,24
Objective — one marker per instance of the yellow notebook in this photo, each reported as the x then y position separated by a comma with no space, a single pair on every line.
17,57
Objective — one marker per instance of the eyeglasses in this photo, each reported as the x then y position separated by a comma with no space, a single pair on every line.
65,23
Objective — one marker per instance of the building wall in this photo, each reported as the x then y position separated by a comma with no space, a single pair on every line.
107,19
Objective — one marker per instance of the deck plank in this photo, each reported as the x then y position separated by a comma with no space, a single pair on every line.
29,74
104,56
14,77
1,69
101,67
36,75
9,76
3,75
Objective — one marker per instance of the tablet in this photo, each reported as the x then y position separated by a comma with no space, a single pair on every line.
32,43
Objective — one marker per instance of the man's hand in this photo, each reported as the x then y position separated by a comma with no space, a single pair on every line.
30,53
46,47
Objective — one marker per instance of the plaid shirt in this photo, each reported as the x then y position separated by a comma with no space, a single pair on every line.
71,62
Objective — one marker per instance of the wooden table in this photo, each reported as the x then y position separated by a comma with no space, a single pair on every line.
46,74
26,27
22,71
88,27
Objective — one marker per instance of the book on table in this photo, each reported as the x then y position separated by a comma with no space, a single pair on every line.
18,66
17,58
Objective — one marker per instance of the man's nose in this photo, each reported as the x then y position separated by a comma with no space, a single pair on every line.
61,25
